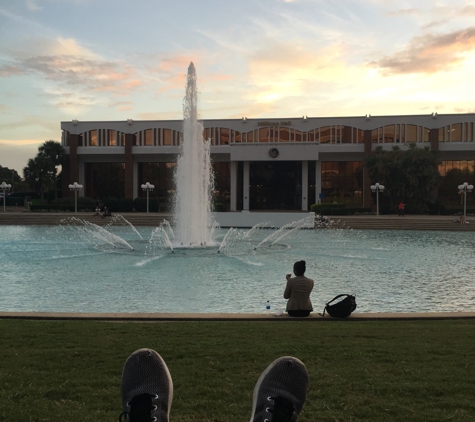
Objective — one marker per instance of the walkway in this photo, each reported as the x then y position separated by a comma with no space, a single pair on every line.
359,222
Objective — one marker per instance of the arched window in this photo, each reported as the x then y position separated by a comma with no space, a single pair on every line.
93,138
325,135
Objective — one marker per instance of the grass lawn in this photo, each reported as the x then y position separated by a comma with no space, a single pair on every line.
359,371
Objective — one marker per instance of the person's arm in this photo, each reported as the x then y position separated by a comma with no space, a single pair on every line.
287,288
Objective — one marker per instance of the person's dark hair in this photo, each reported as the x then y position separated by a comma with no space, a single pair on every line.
300,267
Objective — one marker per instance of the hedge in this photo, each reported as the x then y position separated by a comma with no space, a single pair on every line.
337,209
60,207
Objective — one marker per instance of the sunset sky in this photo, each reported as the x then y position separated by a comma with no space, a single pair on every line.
117,59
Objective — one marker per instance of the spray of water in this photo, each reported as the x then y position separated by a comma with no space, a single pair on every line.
193,176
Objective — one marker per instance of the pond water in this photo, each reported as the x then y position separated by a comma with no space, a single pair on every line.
76,268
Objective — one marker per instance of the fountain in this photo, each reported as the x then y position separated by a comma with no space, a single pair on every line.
193,176
198,267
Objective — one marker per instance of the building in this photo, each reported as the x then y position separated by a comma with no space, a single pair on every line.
260,164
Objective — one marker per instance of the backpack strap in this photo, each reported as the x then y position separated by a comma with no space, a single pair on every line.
336,297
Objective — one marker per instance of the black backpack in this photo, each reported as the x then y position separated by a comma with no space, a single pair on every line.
341,309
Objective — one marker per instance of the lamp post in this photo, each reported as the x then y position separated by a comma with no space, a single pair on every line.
148,187
377,188
464,189
5,187
75,187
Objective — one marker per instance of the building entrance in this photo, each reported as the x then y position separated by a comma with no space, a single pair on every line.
275,185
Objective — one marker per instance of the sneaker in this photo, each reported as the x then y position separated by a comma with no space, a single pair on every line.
147,388
280,392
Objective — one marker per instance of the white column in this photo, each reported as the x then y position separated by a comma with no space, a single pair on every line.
136,179
304,185
234,166
81,176
318,181
245,187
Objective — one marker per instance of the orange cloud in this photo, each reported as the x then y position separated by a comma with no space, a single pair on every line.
429,54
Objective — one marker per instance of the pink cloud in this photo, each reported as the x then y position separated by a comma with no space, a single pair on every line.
429,53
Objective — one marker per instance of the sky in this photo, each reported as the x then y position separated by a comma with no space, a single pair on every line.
62,60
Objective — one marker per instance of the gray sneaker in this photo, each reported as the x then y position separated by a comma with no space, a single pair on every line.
280,392
147,388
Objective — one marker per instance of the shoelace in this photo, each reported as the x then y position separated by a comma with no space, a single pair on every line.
141,408
282,410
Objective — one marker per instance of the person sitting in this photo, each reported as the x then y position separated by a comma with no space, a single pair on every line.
297,291
98,211
106,212
462,220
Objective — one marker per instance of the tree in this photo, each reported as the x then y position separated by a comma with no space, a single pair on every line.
38,174
409,175
12,177
54,151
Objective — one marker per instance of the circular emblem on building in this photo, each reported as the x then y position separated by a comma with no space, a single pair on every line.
273,153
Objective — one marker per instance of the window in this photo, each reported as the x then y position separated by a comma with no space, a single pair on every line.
346,133
456,133
325,135
111,136
311,136
411,133
284,134
148,138
358,136
93,138
336,134
298,136
224,136
167,137
264,134
389,133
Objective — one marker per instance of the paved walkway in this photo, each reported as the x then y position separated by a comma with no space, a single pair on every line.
156,317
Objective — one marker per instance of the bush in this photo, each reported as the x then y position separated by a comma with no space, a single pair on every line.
337,209
140,204
59,207
436,208
112,204
317,207
126,205
30,195
13,201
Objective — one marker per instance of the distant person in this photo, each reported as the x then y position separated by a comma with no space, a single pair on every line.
106,212
462,220
401,207
297,291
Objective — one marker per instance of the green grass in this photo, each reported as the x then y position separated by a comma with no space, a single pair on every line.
359,371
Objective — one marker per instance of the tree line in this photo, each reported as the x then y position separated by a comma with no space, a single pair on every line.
41,174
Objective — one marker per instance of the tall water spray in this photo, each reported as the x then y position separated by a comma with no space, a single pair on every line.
193,176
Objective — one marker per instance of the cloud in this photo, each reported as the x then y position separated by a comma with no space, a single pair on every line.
122,105
28,121
10,70
67,63
405,12
283,69
19,142
33,6
429,53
